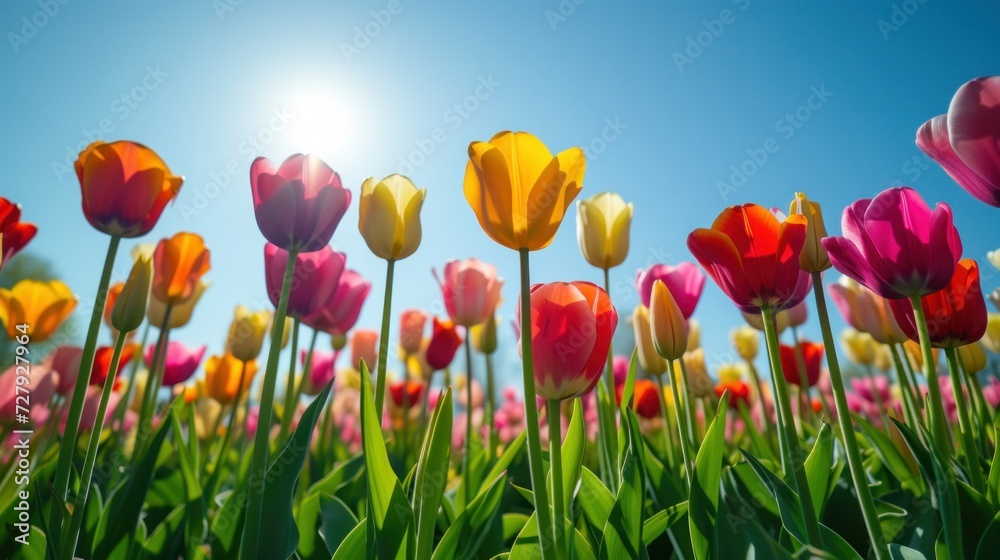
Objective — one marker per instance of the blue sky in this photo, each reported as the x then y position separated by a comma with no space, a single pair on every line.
669,99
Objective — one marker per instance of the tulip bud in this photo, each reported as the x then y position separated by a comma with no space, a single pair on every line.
651,362
699,382
973,358
484,336
130,308
338,341
285,331
246,334
746,342
813,257
991,340
180,314
694,334
602,226
859,346
667,323
389,216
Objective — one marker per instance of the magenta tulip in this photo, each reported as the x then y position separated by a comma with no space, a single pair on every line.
43,383
180,363
966,141
471,291
315,278
340,312
685,282
298,205
66,361
321,370
895,245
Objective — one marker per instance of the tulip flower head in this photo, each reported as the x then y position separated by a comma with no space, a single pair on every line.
321,370
315,278
178,265
699,383
389,216
571,328
14,234
973,358
991,340
443,344
859,346
866,311
246,333
813,257
406,394
125,187
895,245
956,315
484,335
101,367
299,204
965,142
754,257
471,291
222,377
812,354
738,391
39,308
364,347
649,359
602,229
646,399
180,314
341,310
180,361
66,361
685,282
130,305
519,191
411,330
667,323
746,342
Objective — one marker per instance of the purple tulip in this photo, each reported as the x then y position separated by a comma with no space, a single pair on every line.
315,278
685,282
340,312
180,363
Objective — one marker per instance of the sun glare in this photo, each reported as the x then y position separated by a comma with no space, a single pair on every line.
321,123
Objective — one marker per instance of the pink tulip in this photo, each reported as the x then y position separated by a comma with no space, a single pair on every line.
411,330
90,405
966,141
66,361
866,311
42,385
180,363
798,314
895,245
364,346
620,366
340,312
685,282
298,205
471,291
320,370
315,279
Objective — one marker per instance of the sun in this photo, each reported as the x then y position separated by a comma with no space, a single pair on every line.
322,122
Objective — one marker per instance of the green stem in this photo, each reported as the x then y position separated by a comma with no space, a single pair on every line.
68,446
607,437
290,395
909,408
491,403
467,458
76,521
148,407
854,463
787,426
689,406
800,363
911,377
965,424
383,341
252,530
118,416
983,411
542,512
939,429
679,417
758,395
877,395
227,439
555,465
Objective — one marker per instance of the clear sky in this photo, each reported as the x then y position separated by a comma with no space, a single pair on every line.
669,99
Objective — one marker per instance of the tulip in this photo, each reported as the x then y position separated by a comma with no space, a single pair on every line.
340,312
753,257
484,335
518,191
812,354
700,384
859,346
685,282
957,313
114,291
471,291
130,305
35,308
143,251
103,359
797,315
866,311
746,342
443,344
739,392
883,357
246,333
65,360
320,372
602,229
178,265
972,357
389,216
180,362
125,187
223,374
299,204
572,324
180,314
916,356
730,372
411,330
991,340
895,245
813,257
44,385
315,279
363,348
646,399
14,234
994,258
966,141
406,394
649,359
667,323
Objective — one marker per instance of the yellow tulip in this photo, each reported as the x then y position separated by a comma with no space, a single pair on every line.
180,314
519,192
222,377
35,308
285,332
994,258
246,333
916,356
484,336
730,373
649,359
130,306
813,257
667,323
883,357
746,342
206,417
991,340
602,229
859,346
389,216
349,378
973,357
699,383
143,250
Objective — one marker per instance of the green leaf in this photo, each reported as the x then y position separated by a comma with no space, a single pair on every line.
836,545
789,506
703,502
572,454
513,449
900,552
989,544
623,532
891,457
194,501
338,521
817,467
526,546
463,538
629,386
993,484
666,490
432,475
656,524
163,542
227,527
390,516
354,545
513,523
595,500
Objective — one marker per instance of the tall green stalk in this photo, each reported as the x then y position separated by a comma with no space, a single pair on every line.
607,437
939,428
909,406
383,339
689,407
491,403
555,465
467,458
854,463
686,455
965,424
118,416
148,406
291,397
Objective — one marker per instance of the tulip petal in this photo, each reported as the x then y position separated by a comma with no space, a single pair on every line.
933,139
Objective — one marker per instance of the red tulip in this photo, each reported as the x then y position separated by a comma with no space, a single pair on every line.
102,363
646,399
315,278
754,257
812,354
14,234
443,344
956,315
571,328
739,392
406,394
298,205
340,312
125,187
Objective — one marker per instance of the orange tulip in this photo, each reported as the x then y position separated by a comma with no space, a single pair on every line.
38,308
178,264
222,377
